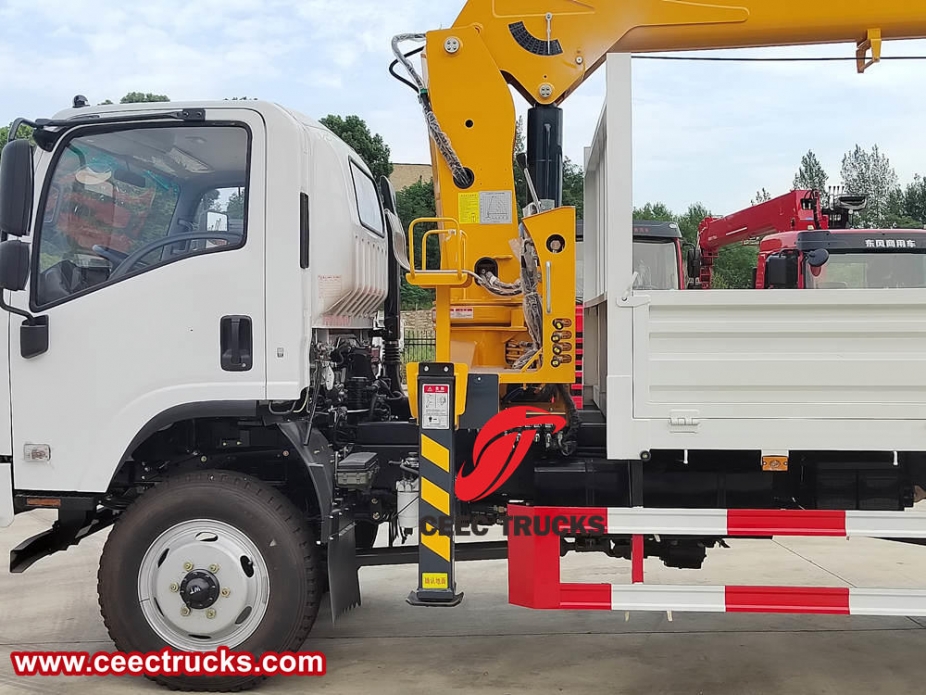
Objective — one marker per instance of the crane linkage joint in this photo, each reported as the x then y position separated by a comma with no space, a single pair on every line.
872,42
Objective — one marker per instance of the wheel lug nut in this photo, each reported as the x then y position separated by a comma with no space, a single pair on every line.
226,592
184,611
213,568
210,613
187,566
174,588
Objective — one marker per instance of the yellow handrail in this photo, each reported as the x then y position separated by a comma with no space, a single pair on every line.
453,229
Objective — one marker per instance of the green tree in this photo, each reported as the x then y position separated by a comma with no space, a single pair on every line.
810,175
414,202
654,212
897,216
762,196
24,132
907,207
870,173
733,268
691,220
235,208
143,98
574,187
372,148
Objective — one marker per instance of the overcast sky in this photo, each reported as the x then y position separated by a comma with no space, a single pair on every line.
707,132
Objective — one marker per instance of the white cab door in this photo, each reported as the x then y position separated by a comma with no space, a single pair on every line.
138,326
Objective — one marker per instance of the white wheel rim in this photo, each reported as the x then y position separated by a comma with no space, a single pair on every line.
228,559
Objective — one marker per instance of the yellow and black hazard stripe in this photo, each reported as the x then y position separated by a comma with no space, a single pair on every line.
436,508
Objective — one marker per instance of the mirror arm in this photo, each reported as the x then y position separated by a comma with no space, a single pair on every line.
13,310
17,124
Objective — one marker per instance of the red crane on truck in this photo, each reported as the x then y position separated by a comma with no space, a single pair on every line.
804,245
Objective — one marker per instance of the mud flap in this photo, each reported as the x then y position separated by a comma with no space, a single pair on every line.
343,571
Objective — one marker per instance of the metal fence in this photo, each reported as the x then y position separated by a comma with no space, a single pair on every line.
419,346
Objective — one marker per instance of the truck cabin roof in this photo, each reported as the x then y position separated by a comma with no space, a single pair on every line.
847,240
643,230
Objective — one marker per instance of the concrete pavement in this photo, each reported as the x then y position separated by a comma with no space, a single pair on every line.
485,645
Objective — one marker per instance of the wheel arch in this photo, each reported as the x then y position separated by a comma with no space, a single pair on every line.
315,456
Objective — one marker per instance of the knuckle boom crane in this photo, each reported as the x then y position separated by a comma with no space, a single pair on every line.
545,52
505,283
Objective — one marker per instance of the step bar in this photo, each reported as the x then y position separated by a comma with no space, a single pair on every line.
534,579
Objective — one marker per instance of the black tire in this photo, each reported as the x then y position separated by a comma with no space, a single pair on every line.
284,539
365,533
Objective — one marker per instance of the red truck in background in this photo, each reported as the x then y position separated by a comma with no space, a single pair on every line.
658,261
804,245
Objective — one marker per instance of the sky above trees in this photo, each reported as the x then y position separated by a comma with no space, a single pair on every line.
714,132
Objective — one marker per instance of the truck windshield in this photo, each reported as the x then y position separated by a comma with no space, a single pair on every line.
868,270
659,256
656,264
115,200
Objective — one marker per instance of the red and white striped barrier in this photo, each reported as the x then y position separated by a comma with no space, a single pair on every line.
763,522
773,599
534,569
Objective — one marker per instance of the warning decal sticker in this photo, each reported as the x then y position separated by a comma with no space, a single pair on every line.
469,208
486,207
435,407
434,580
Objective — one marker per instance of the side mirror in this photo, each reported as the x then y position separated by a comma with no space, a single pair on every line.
216,221
16,184
14,265
399,241
818,258
776,271
694,262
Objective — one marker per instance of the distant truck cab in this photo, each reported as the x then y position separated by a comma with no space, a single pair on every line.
842,259
658,262
657,257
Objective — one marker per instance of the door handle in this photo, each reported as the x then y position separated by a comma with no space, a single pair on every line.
236,343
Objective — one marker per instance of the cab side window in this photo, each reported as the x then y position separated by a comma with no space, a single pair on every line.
368,205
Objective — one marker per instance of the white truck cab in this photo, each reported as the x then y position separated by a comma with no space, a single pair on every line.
149,311
187,288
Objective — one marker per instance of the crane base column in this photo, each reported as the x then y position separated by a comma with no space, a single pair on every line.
436,505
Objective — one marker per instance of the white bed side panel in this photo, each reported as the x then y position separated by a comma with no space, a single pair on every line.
788,369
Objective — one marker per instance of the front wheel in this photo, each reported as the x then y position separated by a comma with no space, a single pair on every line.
205,560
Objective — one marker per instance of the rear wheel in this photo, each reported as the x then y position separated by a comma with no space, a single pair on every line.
210,559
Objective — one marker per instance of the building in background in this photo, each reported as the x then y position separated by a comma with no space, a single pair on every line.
404,175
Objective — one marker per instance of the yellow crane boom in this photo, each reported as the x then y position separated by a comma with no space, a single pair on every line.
582,32
545,50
